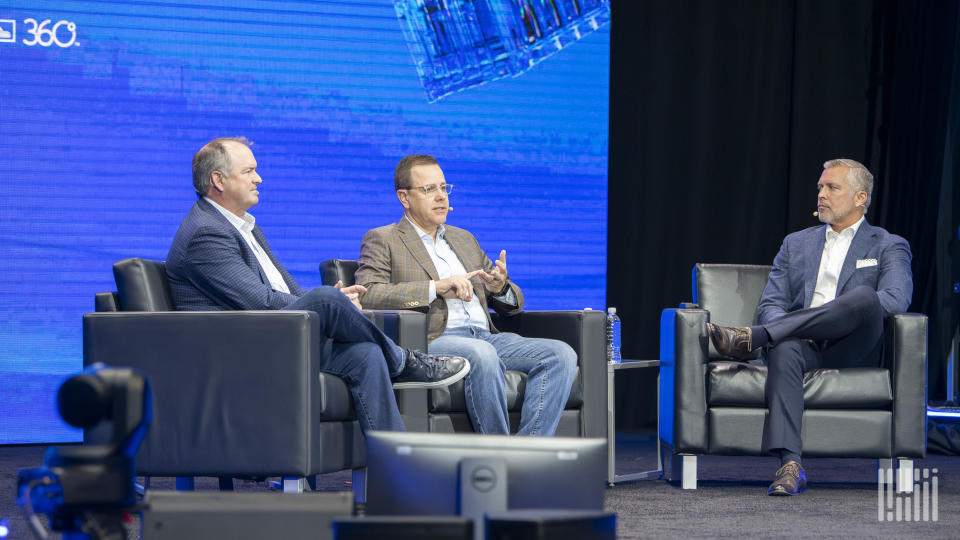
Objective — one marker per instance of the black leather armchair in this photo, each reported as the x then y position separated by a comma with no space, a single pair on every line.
444,410
712,406
236,393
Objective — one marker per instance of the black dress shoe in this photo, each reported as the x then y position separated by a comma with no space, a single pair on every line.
422,370
731,341
791,480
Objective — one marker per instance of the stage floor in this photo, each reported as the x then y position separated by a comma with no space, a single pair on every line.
841,500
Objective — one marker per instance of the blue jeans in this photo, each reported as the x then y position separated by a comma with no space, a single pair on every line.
360,354
550,366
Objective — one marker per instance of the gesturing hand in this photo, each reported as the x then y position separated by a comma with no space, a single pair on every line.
352,292
496,280
458,286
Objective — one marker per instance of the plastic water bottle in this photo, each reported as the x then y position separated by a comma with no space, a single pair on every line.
613,336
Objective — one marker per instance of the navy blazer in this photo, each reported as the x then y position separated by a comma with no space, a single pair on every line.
794,274
211,267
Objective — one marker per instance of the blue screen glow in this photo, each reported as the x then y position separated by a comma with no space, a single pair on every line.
102,105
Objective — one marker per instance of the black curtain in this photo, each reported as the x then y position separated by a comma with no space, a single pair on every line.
721,116
919,115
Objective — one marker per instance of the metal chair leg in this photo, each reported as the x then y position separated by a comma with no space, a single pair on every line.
683,467
226,483
360,485
292,484
185,483
884,464
905,475
899,471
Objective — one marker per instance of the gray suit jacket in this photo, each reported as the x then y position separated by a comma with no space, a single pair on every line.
211,267
396,270
794,274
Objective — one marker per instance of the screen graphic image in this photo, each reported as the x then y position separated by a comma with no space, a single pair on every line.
464,43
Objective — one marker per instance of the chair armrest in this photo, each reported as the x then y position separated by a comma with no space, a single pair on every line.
586,332
905,355
106,301
683,396
406,328
228,386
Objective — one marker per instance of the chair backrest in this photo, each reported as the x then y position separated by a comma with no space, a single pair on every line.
333,270
731,292
142,285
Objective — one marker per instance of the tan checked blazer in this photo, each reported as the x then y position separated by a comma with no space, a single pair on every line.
396,270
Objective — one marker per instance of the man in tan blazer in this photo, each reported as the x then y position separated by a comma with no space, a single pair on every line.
420,263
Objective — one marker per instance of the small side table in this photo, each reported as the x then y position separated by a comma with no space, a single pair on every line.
612,476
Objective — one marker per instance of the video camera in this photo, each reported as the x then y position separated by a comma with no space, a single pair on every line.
86,491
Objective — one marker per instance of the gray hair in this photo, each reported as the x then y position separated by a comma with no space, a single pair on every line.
858,176
213,157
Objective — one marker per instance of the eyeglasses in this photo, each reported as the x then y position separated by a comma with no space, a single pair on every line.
432,188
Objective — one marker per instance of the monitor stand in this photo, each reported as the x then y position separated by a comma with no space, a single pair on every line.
483,490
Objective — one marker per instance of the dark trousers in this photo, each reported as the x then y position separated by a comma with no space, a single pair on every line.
846,332
359,353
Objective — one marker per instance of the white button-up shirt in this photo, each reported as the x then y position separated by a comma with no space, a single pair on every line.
835,249
245,226
459,313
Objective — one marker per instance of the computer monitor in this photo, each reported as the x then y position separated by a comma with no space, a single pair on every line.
467,474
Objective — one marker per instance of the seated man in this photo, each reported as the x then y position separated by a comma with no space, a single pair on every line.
220,260
829,290
420,263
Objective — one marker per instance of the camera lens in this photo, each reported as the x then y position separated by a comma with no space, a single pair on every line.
83,400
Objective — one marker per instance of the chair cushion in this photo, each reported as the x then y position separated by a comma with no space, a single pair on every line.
142,285
737,384
336,403
730,292
826,432
451,398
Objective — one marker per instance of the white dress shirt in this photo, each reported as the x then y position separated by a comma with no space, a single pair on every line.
835,249
245,226
459,313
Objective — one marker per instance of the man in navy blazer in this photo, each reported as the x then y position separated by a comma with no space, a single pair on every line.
824,304
220,260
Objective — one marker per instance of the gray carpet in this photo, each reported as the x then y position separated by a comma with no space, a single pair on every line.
731,500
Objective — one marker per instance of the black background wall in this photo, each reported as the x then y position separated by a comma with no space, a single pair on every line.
721,116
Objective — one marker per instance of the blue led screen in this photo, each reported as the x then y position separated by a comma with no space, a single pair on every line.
102,105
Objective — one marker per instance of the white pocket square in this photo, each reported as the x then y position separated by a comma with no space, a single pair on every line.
863,263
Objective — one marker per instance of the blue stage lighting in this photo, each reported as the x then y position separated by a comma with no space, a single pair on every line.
933,412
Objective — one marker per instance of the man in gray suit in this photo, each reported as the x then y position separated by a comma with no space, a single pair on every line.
220,259
420,263
824,304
